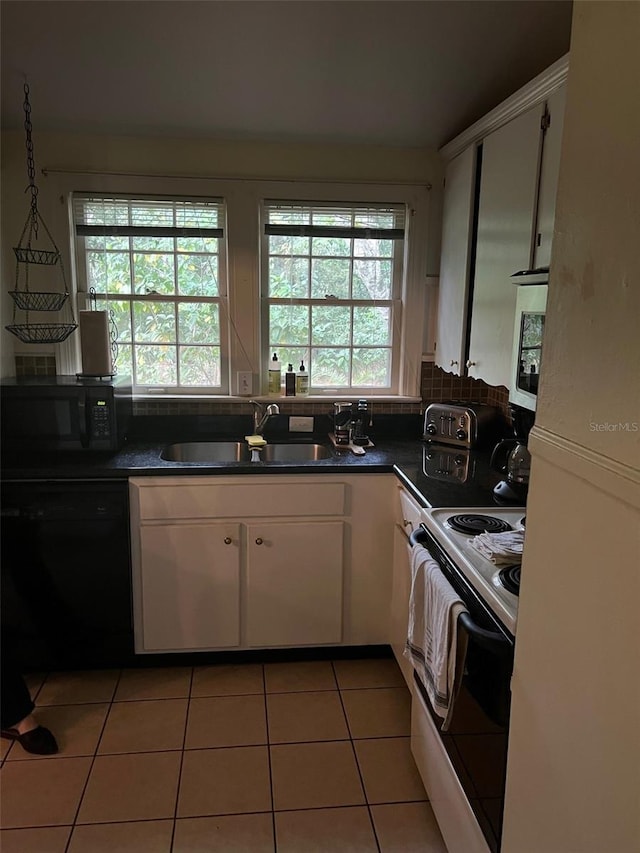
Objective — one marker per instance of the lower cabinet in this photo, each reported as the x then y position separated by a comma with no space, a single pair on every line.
408,515
260,562
189,586
294,583
400,602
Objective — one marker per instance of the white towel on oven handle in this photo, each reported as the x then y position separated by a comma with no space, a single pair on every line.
433,646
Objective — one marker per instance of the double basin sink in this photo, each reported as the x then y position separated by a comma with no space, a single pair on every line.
238,451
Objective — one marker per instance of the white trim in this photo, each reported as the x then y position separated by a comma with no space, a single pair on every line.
616,478
242,198
528,96
268,398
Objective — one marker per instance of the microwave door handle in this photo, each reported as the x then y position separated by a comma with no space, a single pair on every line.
82,420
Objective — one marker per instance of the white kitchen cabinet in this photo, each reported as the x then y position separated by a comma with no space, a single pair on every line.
309,562
190,585
508,192
549,171
457,228
513,229
294,583
408,513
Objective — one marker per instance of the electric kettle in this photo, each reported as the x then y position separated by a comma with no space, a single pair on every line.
511,457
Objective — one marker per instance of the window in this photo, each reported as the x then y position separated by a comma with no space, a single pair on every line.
158,264
332,278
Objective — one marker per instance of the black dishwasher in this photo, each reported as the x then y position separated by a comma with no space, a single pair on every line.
66,575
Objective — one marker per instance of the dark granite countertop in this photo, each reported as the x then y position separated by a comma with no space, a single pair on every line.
404,457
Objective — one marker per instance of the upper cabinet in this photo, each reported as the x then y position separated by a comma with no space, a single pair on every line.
499,206
508,184
457,228
549,170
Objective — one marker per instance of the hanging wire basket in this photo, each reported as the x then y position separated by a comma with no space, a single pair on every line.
27,255
38,300
42,333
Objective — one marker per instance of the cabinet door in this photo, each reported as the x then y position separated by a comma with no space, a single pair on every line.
401,591
294,583
457,225
549,171
508,192
190,587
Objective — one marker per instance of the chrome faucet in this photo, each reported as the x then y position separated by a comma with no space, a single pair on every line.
262,415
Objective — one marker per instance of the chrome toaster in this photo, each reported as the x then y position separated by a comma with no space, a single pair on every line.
464,425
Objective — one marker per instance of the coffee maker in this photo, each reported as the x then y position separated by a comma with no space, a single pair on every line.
511,457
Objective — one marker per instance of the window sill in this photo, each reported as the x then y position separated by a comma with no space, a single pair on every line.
267,398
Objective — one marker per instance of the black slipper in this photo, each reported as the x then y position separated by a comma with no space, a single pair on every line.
38,741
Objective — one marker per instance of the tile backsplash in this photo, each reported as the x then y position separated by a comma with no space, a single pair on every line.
35,365
436,385
291,406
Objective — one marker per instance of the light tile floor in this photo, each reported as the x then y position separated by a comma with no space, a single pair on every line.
308,757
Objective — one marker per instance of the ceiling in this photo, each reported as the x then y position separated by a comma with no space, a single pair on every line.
385,72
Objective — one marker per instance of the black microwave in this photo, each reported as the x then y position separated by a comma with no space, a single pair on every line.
65,413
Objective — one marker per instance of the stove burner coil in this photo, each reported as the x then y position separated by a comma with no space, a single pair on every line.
510,579
474,524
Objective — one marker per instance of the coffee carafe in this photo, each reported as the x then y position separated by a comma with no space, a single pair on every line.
511,457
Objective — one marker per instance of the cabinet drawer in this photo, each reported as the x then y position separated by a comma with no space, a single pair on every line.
410,512
240,500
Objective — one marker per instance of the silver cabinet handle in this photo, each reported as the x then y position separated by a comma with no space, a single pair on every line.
471,364
452,363
259,541
227,540
407,523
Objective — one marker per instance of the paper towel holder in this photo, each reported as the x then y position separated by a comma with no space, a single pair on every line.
108,355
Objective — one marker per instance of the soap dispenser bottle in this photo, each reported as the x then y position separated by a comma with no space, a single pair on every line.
290,382
302,381
275,375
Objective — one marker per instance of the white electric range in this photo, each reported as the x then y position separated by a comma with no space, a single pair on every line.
448,526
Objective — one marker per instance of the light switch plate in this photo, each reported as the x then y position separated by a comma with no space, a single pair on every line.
298,424
244,382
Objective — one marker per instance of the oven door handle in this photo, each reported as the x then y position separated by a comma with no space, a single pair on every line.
414,538
490,641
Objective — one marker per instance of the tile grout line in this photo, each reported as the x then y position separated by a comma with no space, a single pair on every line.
182,752
266,715
93,760
113,703
355,758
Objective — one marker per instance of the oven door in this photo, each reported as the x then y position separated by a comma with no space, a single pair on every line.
476,740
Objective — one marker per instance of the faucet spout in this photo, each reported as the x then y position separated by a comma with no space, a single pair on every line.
262,415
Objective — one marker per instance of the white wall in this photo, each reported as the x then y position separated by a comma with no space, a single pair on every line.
592,356
573,783
76,162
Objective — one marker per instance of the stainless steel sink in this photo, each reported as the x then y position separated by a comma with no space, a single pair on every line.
207,451
238,451
294,453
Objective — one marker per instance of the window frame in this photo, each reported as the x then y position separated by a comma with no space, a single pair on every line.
394,303
175,299
242,246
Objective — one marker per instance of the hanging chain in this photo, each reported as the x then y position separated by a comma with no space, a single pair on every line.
31,166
